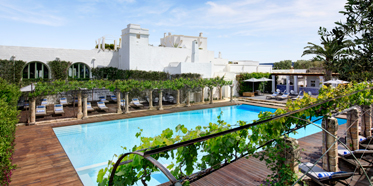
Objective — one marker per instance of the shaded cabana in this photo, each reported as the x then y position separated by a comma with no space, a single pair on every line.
253,80
312,81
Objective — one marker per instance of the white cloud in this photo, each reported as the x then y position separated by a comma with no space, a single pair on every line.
35,14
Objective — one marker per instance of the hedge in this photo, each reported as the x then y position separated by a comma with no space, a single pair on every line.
113,73
248,87
11,70
9,95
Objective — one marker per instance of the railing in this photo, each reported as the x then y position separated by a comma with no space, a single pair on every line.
146,154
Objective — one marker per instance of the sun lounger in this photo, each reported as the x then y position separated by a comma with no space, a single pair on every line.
26,104
300,96
101,105
347,156
113,98
44,102
321,176
103,99
41,110
156,100
136,103
58,109
284,96
122,102
89,107
273,96
63,101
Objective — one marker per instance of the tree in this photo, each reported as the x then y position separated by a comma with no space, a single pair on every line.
333,46
286,64
358,25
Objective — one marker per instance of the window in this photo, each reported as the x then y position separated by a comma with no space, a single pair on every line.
35,70
313,83
138,36
79,71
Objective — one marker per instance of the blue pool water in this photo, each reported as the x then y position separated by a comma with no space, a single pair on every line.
90,146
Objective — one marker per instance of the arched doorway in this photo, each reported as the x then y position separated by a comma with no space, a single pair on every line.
79,71
35,70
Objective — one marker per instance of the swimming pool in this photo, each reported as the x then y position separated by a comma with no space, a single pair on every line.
90,146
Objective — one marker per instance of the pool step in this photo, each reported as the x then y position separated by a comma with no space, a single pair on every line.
265,102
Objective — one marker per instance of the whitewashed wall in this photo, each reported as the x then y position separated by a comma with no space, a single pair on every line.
28,54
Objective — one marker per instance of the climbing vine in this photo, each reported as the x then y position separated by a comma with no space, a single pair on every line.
216,152
11,70
59,69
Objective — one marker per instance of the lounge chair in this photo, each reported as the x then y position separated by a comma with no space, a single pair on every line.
103,99
63,101
41,110
113,98
58,109
283,96
136,103
321,176
299,96
89,107
101,105
347,156
156,100
366,143
273,96
26,104
44,102
123,102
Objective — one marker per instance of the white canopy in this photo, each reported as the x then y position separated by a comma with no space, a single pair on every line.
336,81
28,88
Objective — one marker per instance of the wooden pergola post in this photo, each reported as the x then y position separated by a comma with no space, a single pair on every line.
119,106
150,99
80,113
160,100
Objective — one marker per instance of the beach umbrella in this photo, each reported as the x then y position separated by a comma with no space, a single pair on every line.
253,80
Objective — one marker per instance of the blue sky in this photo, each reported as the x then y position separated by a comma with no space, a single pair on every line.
260,30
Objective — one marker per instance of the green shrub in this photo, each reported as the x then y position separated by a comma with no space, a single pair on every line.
113,73
9,95
59,69
248,86
11,70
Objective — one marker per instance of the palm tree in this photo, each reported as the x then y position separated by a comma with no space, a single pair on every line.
333,45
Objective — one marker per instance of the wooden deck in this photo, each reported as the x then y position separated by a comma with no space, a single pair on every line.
41,159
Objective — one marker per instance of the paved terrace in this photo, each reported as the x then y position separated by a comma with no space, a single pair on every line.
41,159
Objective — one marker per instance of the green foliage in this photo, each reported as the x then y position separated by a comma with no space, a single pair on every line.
9,95
286,64
358,25
9,92
59,69
214,153
248,87
107,46
112,73
223,151
307,64
11,70
333,47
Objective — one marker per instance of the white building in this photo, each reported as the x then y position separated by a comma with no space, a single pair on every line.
176,54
